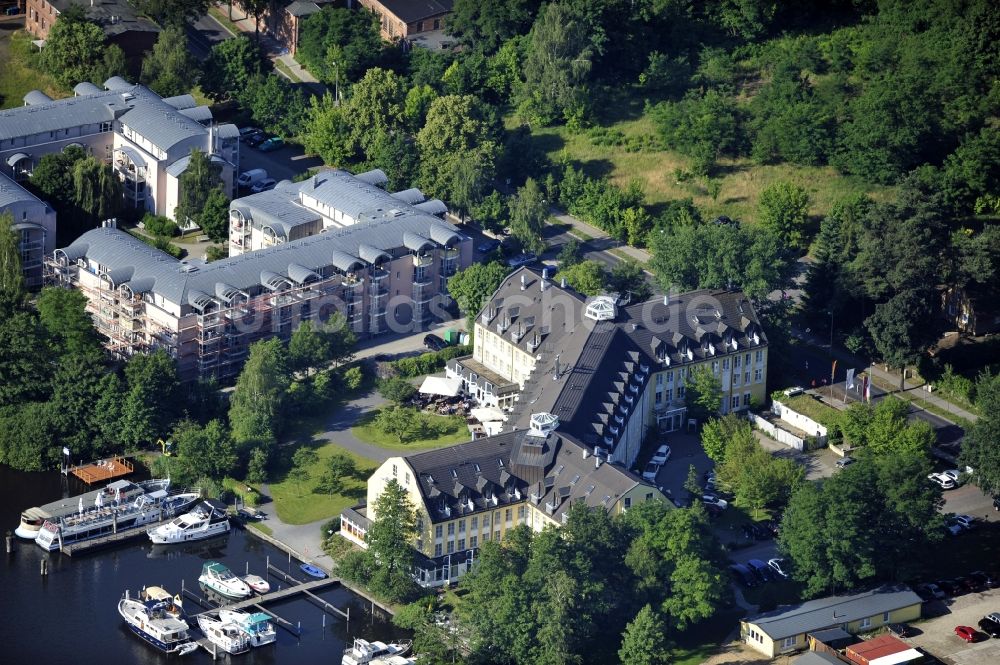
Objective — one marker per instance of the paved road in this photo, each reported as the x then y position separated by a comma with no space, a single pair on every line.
282,164
204,33
938,638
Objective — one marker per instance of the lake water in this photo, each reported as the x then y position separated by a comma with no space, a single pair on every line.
71,615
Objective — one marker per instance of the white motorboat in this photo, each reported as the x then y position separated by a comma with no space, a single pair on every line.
172,603
128,505
206,520
151,621
226,636
363,652
221,580
257,626
257,583
32,519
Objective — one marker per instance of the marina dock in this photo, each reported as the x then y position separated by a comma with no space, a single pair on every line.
96,472
119,536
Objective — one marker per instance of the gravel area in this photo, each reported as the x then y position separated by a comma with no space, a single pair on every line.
938,634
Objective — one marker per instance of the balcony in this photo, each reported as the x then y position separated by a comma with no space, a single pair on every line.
352,281
422,260
377,275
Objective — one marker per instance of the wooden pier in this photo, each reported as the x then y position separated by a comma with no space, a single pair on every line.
96,472
119,536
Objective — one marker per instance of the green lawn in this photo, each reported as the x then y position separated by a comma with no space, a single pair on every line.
18,77
447,430
741,180
295,500
810,407
263,528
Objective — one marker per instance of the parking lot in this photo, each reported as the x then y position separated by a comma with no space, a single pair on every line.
685,450
281,164
970,500
937,635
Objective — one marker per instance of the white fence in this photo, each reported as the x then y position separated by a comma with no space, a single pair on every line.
796,419
776,433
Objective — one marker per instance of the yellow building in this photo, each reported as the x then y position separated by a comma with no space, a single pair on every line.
476,492
784,629
608,369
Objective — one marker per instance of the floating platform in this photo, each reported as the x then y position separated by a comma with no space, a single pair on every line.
96,472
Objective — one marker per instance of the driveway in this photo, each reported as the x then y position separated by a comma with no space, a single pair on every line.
970,500
282,164
685,450
938,637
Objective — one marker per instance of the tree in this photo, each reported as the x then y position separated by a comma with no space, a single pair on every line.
569,253
275,104
471,287
528,213
151,403
214,217
644,642
389,537
303,458
353,36
308,348
76,394
27,440
979,448
341,340
487,26
397,421
339,467
458,128
717,434
74,48
328,131
11,273
205,450
257,467
418,102
692,483
900,328
396,155
784,209
376,107
587,277
97,189
256,8
629,278
397,390
169,69
172,12
63,313
703,394
201,176
468,182
230,66
703,125
255,413
556,66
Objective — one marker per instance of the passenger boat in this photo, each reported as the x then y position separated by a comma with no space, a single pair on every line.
32,519
208,519
257,583
122,505
363,652
150,621
226,636
257,626
221,580
173,604
313,571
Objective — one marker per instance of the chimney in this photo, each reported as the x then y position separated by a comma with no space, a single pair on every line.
545,272
666,298
586,453
315,180
597,461
562,283
524,282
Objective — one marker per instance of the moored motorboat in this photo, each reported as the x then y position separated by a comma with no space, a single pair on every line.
363,652
313,571
208,519
257,583
226,636
151,621
257,626
221,580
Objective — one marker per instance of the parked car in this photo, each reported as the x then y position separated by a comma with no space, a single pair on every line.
995,616
967,633
254,139
756,531
930,592
272,143
779,566
251,177
247,131
434,343
761,569
521,260
990,627
845,461
487,246
964,584
985,580
661,455
712,500
966,521
744,575
263,185
900,629
942,480
953,474
650,472
949,587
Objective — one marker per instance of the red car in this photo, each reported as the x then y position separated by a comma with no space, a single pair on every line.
967,633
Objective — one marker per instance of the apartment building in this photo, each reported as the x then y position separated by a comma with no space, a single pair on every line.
34,222
476,492
147,139
382,274
123,26
405,19
609,371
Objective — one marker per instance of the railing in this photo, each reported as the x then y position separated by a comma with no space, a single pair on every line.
422,261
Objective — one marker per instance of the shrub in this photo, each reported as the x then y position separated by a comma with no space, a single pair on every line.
159,226
427,363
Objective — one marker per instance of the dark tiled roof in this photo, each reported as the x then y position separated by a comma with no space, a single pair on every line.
409,11
114,16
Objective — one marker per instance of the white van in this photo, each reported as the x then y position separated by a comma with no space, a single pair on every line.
251,177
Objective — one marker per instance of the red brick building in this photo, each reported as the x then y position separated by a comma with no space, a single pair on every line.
403,19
